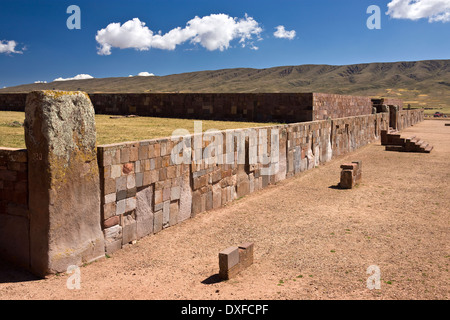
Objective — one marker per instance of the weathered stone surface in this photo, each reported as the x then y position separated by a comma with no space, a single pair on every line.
229,263
185,208
246,254
113,239
144,212
63,174
129,231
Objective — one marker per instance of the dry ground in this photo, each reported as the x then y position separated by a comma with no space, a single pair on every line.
312,241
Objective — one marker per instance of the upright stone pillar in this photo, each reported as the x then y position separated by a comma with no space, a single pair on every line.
63,178
393,117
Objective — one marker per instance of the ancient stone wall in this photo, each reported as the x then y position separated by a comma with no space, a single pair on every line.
65,200
407,118
252,107
333,106
150,185
13,101
14,215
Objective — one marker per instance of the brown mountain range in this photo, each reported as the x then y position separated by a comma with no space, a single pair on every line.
418,83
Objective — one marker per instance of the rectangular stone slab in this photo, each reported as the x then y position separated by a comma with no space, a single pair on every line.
63,174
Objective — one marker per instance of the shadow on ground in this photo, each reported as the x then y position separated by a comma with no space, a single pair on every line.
215,278
10,273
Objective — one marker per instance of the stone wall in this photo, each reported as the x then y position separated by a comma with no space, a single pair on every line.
14,215
145,189
252,107
333,106
13,101
66,201
407,118
257,107
349,134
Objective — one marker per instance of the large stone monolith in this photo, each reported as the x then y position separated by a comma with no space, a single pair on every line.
63,174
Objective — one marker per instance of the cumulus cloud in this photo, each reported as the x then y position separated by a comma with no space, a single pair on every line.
77,77
213,32
40,81
145,74
433,10
282,33
8,47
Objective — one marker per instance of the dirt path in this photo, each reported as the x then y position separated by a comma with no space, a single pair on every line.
312,241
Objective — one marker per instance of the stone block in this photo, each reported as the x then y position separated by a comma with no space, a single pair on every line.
64,198
246,254
129,231
199,182
134,152
131,181
139,179
144,212
166,214
158,196
157,221
130,204
113,239
143,152
350,175
173,214
121,195
166,194
175,193
109,186
110,198
243,185
209,199
109,210
216,196
110,222
185,209
121,183
124,155
229,263
198,202
120,207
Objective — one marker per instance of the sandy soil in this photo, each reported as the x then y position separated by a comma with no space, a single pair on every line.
312,241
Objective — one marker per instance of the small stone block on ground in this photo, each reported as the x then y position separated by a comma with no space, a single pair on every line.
235,259
351,174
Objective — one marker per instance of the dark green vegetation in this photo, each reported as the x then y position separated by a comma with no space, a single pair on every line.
420,84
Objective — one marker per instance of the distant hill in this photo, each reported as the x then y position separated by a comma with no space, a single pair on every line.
419,83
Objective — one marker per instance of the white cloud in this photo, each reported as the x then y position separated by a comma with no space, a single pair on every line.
145,74
433,10
77,77
282,33
8,47
213,32
40,82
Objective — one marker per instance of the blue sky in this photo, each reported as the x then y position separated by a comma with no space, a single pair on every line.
36,45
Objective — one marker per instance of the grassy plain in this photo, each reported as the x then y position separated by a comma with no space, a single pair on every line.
111,129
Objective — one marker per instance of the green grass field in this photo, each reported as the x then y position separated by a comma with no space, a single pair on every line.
117,130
